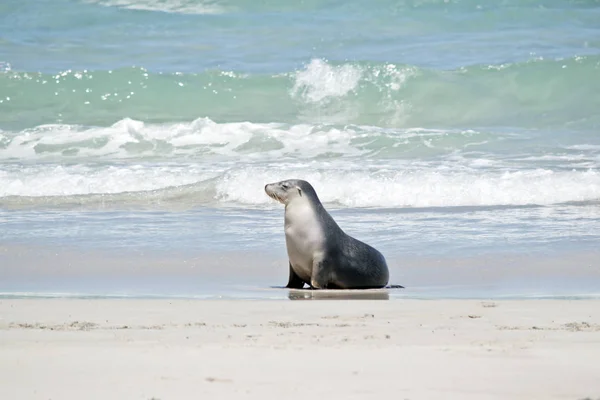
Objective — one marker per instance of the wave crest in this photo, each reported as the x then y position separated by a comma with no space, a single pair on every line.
168,6
136,140
539,93
347,185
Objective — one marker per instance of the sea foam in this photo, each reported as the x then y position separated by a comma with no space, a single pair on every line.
350,184
169,6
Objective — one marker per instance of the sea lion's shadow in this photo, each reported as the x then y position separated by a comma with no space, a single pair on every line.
337,294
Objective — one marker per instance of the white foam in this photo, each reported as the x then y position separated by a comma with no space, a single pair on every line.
235,160
321,80
346,183
57,180
420,187
584,147
336,93
169,6
130,139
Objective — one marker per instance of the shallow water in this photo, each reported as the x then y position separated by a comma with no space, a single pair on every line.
457,137
444,252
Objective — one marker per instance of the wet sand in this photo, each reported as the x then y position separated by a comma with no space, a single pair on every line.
36,270
405,349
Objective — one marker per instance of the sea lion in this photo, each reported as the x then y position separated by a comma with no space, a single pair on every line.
320,253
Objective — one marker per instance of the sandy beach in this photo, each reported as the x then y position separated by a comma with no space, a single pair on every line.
405,349
141,257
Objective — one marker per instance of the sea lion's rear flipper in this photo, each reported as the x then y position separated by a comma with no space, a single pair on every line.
394,287
294,282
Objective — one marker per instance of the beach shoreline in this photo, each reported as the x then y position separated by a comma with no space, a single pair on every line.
416,349
35,270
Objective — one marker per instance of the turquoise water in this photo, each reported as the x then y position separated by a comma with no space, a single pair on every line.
457,135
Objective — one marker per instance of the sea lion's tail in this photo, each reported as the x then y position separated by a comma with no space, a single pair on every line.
394,287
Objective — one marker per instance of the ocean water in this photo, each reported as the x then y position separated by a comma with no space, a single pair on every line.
459,137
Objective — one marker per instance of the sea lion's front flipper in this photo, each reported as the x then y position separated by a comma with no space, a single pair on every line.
294,282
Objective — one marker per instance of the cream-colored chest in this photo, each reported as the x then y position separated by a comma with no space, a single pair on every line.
303,236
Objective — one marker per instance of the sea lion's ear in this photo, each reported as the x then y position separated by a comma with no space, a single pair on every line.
299,191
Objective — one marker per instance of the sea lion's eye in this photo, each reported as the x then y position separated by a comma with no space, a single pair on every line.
284,185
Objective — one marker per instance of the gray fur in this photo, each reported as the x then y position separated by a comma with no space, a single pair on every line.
321,254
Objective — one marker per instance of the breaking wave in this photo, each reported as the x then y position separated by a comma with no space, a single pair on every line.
538,93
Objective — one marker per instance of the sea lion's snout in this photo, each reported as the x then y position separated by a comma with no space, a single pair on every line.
272,192
286,191
270,189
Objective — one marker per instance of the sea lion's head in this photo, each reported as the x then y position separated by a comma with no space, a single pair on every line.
289,190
